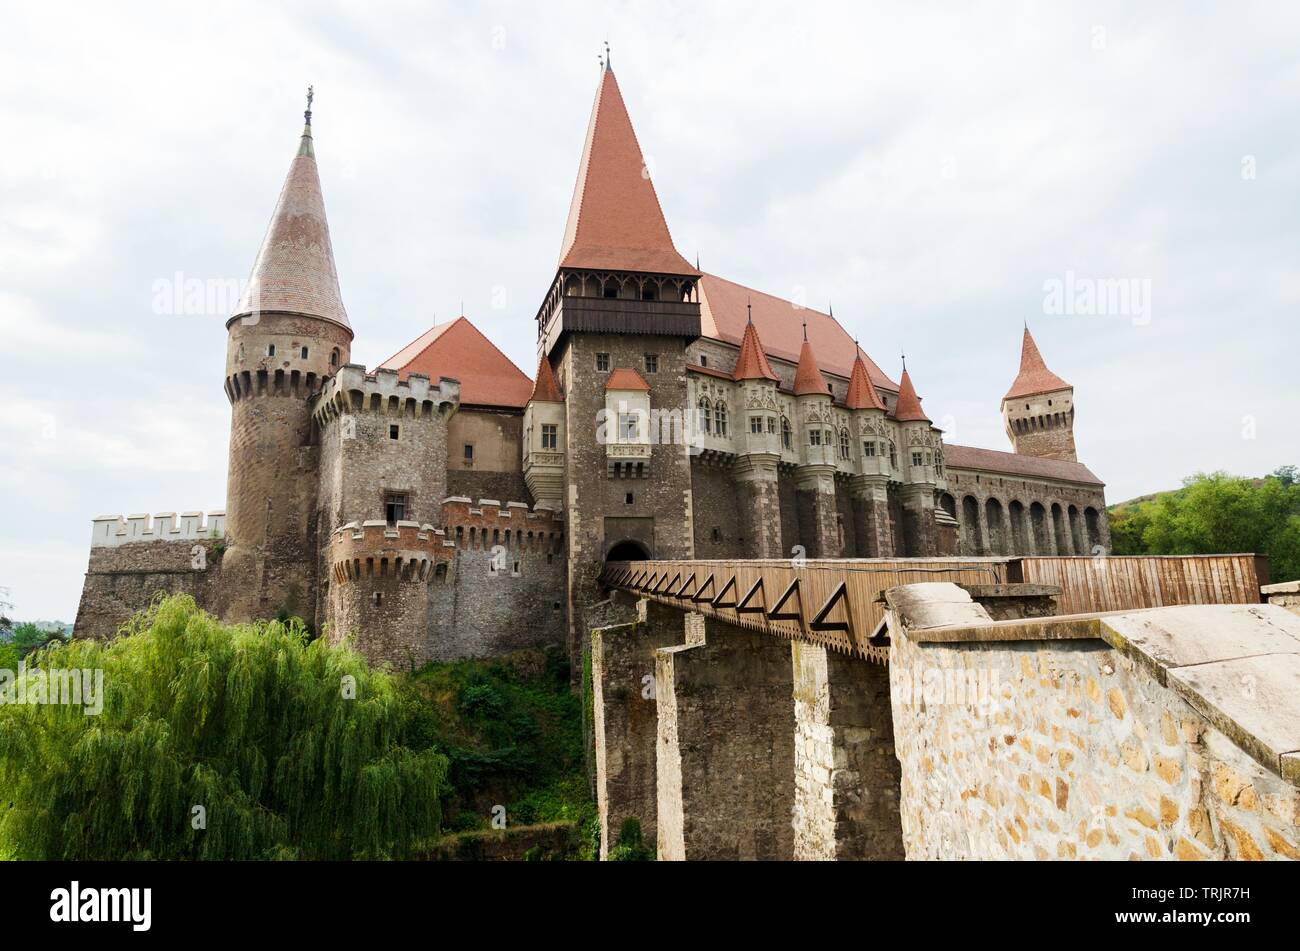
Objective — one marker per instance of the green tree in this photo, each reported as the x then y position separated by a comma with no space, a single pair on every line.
251,723
1218,513
27,637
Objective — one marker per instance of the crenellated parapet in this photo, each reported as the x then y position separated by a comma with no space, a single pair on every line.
378,551
489,522
353,390
110,531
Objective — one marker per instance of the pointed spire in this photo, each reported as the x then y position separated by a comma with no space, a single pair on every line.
615,221
908,408
294,271
752,363
1034,377
546,389
807,378
861,394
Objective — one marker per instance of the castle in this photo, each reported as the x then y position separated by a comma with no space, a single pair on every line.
444,505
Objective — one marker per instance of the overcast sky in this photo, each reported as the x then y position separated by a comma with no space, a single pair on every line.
930,169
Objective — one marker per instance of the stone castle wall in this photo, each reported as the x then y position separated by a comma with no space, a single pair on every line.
1071,749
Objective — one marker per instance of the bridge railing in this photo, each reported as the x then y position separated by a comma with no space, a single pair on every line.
832,602
837,602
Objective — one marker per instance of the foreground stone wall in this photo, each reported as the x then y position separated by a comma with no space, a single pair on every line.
1073,748
124,579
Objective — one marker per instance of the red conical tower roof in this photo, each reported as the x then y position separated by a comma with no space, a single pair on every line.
908,408
545,390
1034,377
752,363
294,272
615,221
862,394
807,378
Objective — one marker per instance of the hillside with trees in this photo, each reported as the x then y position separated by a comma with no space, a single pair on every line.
1217,513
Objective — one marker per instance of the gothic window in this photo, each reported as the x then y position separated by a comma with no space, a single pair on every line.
771,424
893,455
334,357
549,436
706,418
602,363
844,444
786,435
916,457
756,425
720,411
869,448
814,437
394,507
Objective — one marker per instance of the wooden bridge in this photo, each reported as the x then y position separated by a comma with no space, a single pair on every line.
837,603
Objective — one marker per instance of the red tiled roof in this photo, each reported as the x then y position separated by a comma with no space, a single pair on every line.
752,363
625,378
711,371
908,408
1034,377
723,316
294,270
861,394
458,350
807,378
615,221
1011,463
546,390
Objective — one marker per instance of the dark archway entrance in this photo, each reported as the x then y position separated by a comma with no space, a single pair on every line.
627,551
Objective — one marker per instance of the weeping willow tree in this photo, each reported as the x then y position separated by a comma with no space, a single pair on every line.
217,742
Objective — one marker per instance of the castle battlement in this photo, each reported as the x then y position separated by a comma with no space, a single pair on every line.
374,549
511,524
110,531
353,390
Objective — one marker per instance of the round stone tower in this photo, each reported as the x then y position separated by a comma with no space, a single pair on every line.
288,335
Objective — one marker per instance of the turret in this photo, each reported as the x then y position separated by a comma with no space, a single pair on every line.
759,448
288,335
544,438
920,451
815,475
870,486
1038,410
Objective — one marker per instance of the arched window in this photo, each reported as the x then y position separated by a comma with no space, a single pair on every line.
720,413
787,439
706,417
844,444
334,357
893,455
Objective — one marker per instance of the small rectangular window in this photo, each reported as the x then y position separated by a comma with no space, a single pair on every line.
771,424
270,349
469,452
756,425
304,353
814,437
652,363
394,508
704,359
394,431
629,427
869,449
549,436
916,458
602,363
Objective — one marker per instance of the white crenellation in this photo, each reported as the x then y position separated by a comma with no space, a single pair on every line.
109,531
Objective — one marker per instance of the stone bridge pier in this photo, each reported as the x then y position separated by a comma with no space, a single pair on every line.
729,743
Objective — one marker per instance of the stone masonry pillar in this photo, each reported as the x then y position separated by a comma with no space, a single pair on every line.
871,513
846,774
815,495
918,520
726,747
760,505
624,715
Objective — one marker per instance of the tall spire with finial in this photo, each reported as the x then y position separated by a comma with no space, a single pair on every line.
294,271
808,378
609,63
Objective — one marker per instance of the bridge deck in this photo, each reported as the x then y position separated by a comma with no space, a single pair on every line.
837,602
